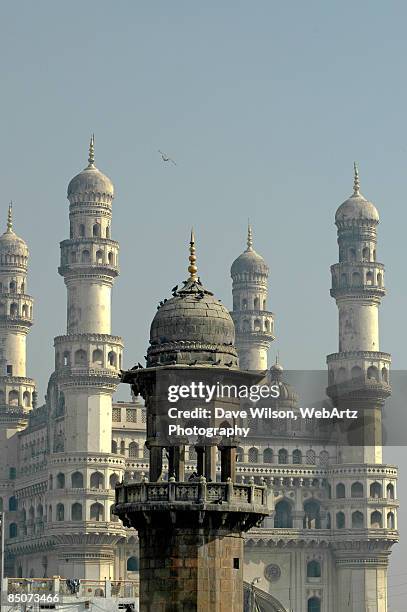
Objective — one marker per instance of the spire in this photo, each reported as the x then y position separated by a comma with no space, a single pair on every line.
249,236
356,183
91,158
10,217
192,269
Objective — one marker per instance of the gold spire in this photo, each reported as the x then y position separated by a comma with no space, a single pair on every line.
10,217
91,158
192,269
249,236
356,183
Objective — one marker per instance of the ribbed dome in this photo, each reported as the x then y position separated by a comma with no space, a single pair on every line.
356,208
275,376
10,243
249,261
91,181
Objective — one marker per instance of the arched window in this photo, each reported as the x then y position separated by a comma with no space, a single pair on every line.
60,512
366,254
112,358
314,605
146,452
323,457
50,514
76,512
313,569
256,303
114,447
96,230
282,516
357,520
77,480
97,480
113,480
376,490
12,530
356,279
385,375
108,231
13,309
12,504
328,520
81,230
283,456
257,325
268,455
390,491
267,325
85,256
356,489
239,454
376,521
99,257
96,512
97,357
340,490
380,279
244,304
66,359
25,311
13,287
297,456
40,511
26,398
246,325
13,398
73,257
373,373
341,375
352,254
253,455
369,278
133,449
340,520
391,523
123,448
356,372
132,564
61,481
310,458
312,517
110,258
80,357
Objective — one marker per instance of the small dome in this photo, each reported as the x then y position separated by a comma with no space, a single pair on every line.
249,261
91,182
10,243
356,208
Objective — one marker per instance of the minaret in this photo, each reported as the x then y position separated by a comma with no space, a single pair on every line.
363,506
254,324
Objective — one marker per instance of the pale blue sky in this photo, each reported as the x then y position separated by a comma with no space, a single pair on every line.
263,104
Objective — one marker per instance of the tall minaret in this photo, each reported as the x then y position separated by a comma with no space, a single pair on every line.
254,324
363,506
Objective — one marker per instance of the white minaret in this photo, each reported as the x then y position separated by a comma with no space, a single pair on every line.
254,324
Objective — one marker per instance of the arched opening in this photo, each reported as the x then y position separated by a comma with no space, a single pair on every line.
112,359
267,325
366,254
50,514
341,375
96,512
12,530
66,359
314,605
356,372
340,520
376,490
114,447
132,564
380,279
99,257
376,521
25,311
390,491
257,325
244,304
373,373
123,448
110,258
13,286
356,489
391,523
113,517
283,516
80,357
113,480
340,490
344,280
297,456
73,257
60,512
82,230
256,303
96,230
97,480
352,254
324,457
27,399
310,457
282,456
313,569
12,504
76,512
108,231
239,455
246,325
356,279
253,455
13,309
85,256
312,516
13,398
357,520
133,450
77,480
385,375
40,511
268,455
60,481
97,357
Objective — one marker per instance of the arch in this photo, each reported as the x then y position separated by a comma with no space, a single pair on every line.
268,455
13,530
97,480
50,514
40,511
283,515
256,303
390,491
376,490
96,230
85,257
297,456
60,481
112,358
133,449
97,357
99,257
132,564
356,372
12,504
283,456
352,254
244,304
310,457
341,375
366,254
123,448
373,373
80,357
376,520
25,311
356,489
114,447
73,257
369,278
323,457
96,512
340,520
239,454
391,523
113,517
107,231
313,569
60,512
77,480
380,279
246,325
314,605
26,399
76,511
356,279
253,455
385,374
13,309
257,325
312,514
66,358
110,258
357,520
13,286
340,491
82,230
113,480
267,325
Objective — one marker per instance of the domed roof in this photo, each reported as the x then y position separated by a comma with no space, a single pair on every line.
191,325
91,181
276,376
10,243
356,208
249,261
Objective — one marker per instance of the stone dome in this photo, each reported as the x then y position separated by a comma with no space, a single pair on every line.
10,243
275,376
249,261
91,182
357,207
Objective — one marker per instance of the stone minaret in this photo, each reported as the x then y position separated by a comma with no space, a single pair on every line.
363,505
87,363
254,324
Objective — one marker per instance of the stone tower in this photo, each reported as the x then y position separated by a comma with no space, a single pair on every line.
254,324
190,532
87,363
363,510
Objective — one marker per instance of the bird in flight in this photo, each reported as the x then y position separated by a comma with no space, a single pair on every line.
166,158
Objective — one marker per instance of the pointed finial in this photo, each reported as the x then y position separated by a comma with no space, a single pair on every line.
249,236
10,217
91,158
192,269
356,183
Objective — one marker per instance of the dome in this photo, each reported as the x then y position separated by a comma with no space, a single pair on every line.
91,181
249,261
356,208
275,376
10,243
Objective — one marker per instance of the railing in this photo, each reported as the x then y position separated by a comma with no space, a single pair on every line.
125,589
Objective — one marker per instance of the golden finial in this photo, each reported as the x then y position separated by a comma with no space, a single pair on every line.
249,236
91,158
192,269
356,183
10,217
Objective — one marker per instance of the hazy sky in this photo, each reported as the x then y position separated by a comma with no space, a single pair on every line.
264,105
